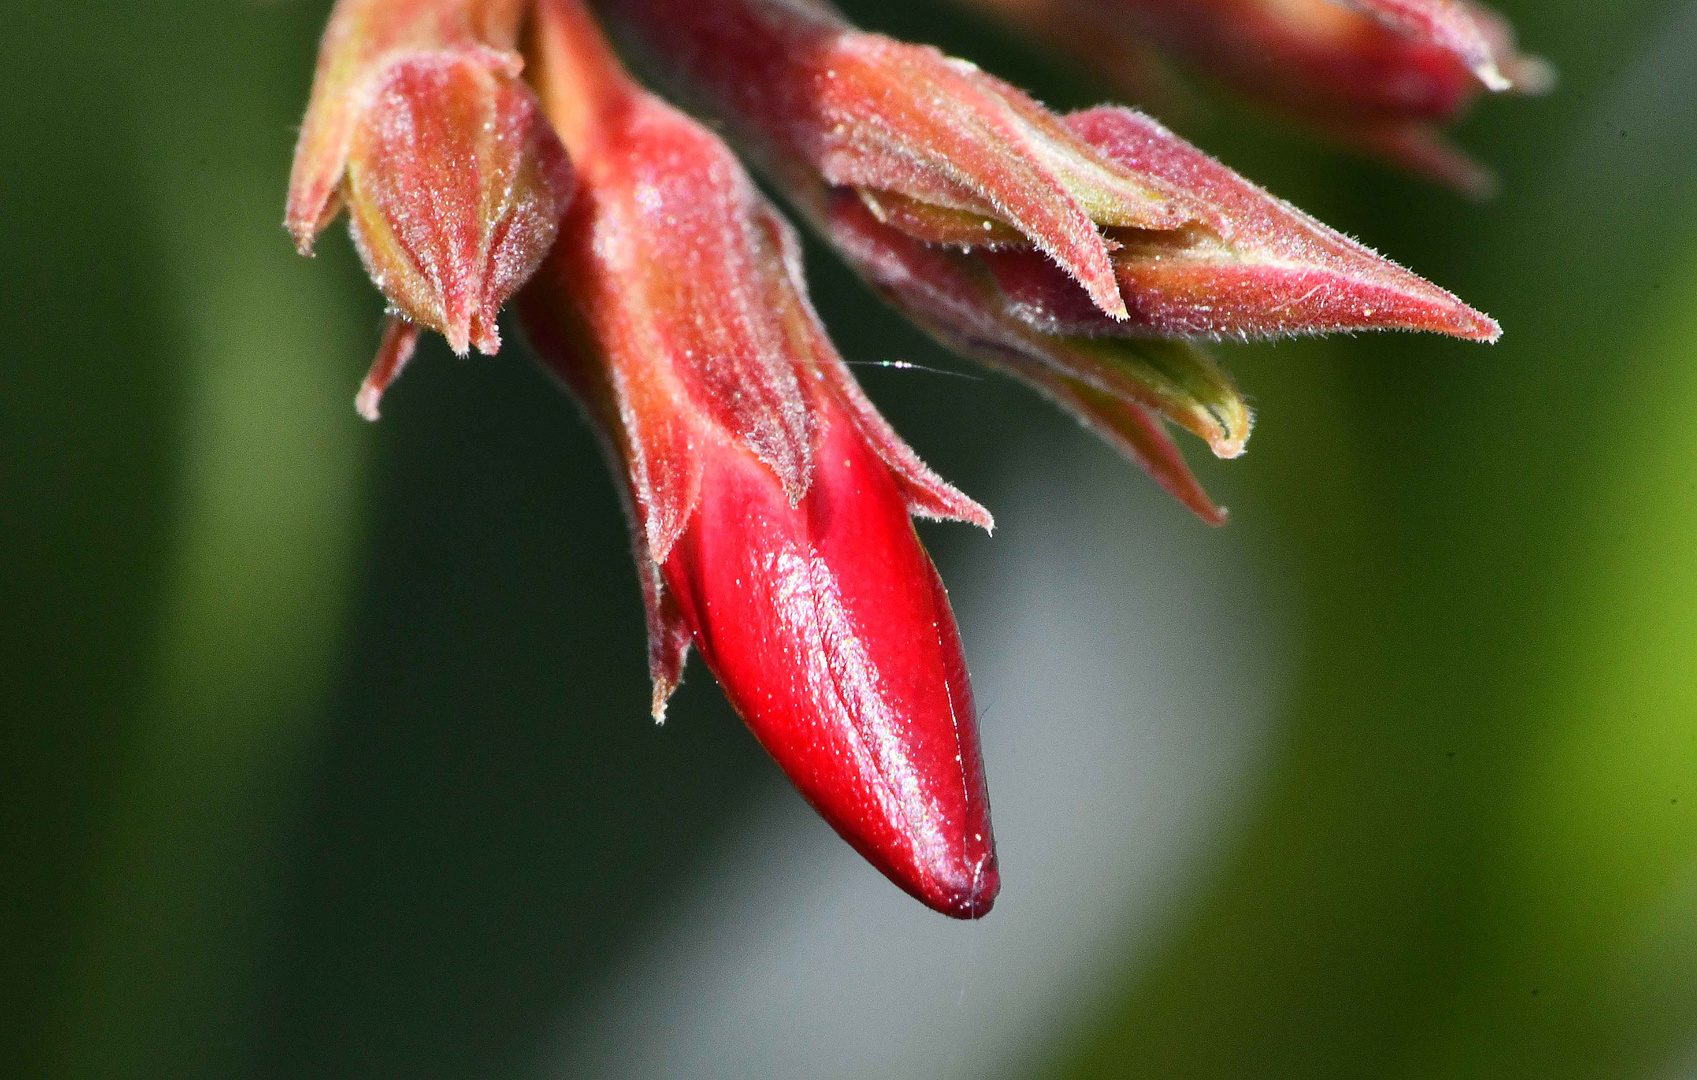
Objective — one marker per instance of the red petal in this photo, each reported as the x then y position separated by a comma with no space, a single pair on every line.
829,630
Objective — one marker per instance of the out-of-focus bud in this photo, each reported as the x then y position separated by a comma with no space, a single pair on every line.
1477,36
421,126
1382,76
770,501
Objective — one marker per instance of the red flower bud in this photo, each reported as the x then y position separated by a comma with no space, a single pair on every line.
770,501
421,126
832,636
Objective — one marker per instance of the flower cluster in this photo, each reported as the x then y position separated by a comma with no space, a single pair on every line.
496,150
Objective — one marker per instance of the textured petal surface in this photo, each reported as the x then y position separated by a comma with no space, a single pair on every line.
1108,383
771,501
455,187
899,122
1251,266
361,39
420,125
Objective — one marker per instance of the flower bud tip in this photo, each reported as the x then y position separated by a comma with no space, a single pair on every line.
974,898
1492,76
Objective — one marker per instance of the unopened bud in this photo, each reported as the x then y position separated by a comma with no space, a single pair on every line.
1247,265
421,126
455,186
1121,387
771,503
831,633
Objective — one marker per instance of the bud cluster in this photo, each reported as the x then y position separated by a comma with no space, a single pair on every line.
488,150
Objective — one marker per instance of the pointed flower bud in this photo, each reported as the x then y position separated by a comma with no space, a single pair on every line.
771,503
1247,266
421,126
1379,75
831,633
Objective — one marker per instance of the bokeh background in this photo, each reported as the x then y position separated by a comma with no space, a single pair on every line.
325,750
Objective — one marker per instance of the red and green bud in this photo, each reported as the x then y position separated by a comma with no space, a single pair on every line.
1382,76
771,503
421,126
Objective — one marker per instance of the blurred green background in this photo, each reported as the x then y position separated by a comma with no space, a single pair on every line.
325,751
